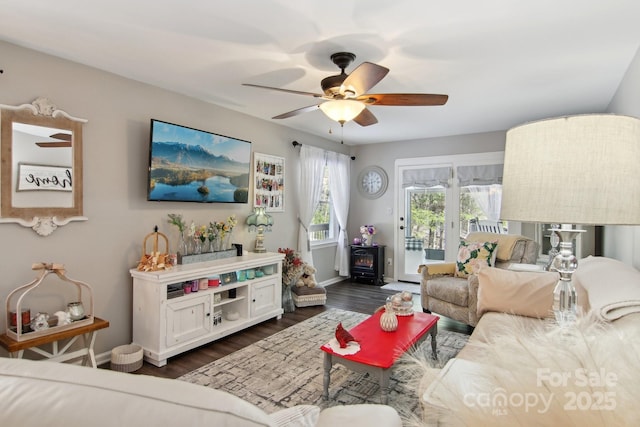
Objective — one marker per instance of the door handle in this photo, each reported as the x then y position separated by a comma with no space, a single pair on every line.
402,227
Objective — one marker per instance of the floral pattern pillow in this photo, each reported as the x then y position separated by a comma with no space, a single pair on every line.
472,256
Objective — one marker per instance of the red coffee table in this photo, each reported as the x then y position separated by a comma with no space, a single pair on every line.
379,350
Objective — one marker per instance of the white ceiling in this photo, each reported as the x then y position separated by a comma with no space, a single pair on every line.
502,62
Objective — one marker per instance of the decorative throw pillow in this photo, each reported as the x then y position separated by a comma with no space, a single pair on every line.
524,293
472,256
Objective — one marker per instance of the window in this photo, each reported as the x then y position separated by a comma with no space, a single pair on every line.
479,202
324,227
426,218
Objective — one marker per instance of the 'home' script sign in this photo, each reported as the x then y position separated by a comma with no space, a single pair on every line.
43,177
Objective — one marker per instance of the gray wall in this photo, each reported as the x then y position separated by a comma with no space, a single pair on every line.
623,242
101,250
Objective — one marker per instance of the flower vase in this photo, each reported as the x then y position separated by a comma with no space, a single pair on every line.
217,243
197,246
287,299
182,245
367,239
388,319
212,245
227,241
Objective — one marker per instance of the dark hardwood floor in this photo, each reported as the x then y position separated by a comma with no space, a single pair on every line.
346,295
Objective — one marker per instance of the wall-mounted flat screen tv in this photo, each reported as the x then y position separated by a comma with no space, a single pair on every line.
191,165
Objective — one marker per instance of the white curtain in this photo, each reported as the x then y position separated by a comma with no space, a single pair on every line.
479,175
484,184
426,177
488,198
339,172
312,162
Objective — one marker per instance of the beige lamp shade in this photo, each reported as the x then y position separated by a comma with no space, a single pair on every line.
573,170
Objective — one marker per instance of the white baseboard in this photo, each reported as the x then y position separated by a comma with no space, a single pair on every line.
331,281
103,358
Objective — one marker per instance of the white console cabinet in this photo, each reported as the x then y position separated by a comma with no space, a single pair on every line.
166,325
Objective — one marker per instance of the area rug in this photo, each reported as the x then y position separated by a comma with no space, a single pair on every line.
286,369
402,286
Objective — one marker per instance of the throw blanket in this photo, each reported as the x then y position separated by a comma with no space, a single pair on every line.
506,242
510,379
441,268
613,286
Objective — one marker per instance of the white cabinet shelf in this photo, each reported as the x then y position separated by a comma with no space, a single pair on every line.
227,301
165,327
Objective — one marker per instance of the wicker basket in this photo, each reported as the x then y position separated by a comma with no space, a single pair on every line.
307,297
126,358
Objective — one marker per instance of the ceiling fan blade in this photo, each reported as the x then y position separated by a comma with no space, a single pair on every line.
297,112
54,144
404,99
296,92
363,78
61,136
366,118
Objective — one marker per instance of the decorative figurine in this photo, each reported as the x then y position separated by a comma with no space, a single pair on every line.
64,318
343,336
40,322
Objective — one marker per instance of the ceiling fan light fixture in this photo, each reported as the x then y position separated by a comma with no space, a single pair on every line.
342,110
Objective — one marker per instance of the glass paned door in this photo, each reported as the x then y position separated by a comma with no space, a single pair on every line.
434,210
424,229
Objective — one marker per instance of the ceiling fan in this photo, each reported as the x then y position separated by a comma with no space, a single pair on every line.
345,96
65,141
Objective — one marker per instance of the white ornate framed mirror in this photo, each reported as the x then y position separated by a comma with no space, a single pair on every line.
41,166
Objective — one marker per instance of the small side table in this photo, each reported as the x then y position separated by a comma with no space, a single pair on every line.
16,348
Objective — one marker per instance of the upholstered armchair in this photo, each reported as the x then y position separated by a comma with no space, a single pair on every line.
444,293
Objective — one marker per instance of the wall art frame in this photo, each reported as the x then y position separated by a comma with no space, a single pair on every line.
33,177
269,182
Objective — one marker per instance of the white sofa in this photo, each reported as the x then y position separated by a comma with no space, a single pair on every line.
41,393
587,374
